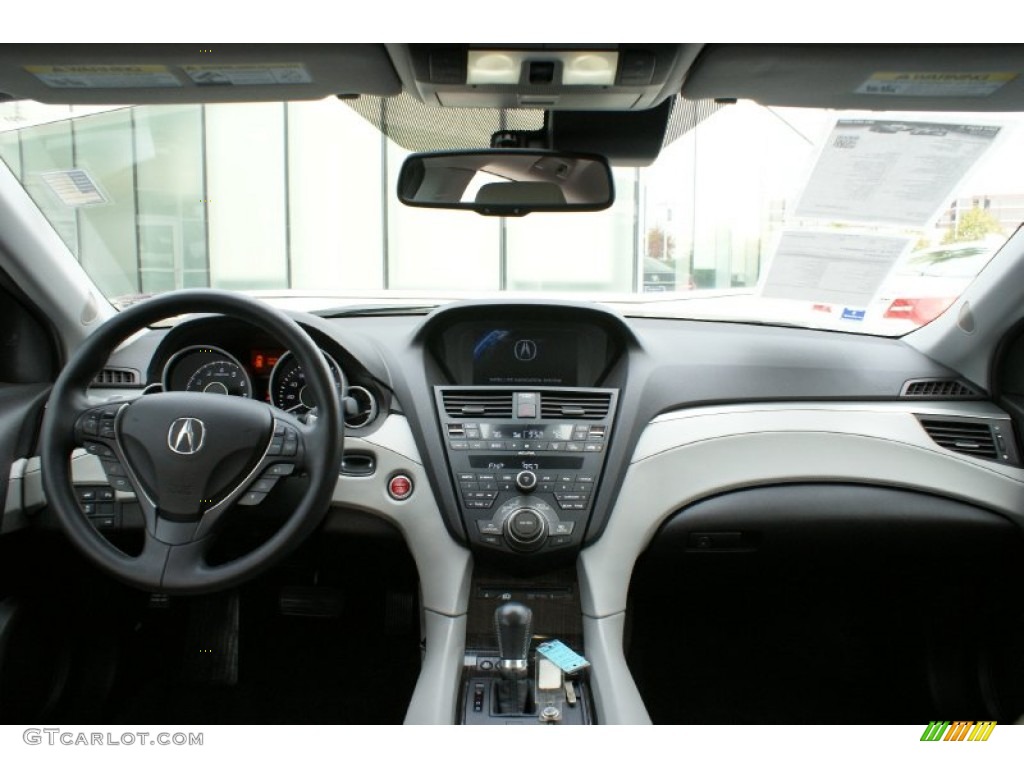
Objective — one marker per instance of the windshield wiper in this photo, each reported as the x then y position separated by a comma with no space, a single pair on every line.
377,310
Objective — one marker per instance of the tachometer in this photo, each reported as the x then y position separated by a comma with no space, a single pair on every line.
206,369
221,377
288,390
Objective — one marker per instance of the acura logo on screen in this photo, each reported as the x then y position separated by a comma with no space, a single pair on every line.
186,435
525,350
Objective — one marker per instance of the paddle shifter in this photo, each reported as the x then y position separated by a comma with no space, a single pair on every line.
513,624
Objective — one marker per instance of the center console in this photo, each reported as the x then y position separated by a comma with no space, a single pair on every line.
526,462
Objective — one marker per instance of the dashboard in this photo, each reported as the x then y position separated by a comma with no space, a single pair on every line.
524,416
516,440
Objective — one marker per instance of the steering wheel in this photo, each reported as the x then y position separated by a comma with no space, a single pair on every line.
190,457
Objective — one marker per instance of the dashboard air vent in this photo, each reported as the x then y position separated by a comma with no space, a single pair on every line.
361,408
117,377
973,438
493,405
579,405
944,389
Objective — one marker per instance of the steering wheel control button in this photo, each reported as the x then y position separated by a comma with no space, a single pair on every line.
263,485
279,470
400,487
113,468
526,481
98,449
121,484
251,499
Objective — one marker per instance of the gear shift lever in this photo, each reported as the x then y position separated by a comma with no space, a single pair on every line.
512,622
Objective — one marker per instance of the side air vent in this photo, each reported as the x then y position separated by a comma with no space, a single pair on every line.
117,377
974,438
574,405
940,389
362,408
492,405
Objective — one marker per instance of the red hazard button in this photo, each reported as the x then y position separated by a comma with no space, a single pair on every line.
400,487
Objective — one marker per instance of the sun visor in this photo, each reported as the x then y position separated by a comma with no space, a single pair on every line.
981,78
189,74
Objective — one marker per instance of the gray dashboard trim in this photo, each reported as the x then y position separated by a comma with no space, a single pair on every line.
683,458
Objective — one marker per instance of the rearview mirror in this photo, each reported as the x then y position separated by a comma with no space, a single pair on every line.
507,182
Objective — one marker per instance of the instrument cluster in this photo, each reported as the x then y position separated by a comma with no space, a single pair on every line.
269,374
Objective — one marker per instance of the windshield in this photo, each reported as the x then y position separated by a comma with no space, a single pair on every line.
864,222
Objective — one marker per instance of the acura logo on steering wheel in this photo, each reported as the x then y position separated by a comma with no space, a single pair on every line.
186,435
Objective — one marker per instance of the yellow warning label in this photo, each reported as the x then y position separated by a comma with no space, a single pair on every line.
105,76
248,74
940,84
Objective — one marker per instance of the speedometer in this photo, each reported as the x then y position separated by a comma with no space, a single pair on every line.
288,390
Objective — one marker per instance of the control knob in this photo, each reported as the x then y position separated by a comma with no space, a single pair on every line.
525,529
526,481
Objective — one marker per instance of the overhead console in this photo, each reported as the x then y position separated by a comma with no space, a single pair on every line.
544,76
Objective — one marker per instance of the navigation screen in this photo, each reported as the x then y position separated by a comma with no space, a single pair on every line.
504,357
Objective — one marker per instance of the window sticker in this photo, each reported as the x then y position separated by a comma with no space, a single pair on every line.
891,171
935,84
831,267
105,76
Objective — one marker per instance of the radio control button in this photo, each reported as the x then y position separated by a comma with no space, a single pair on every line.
526,481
